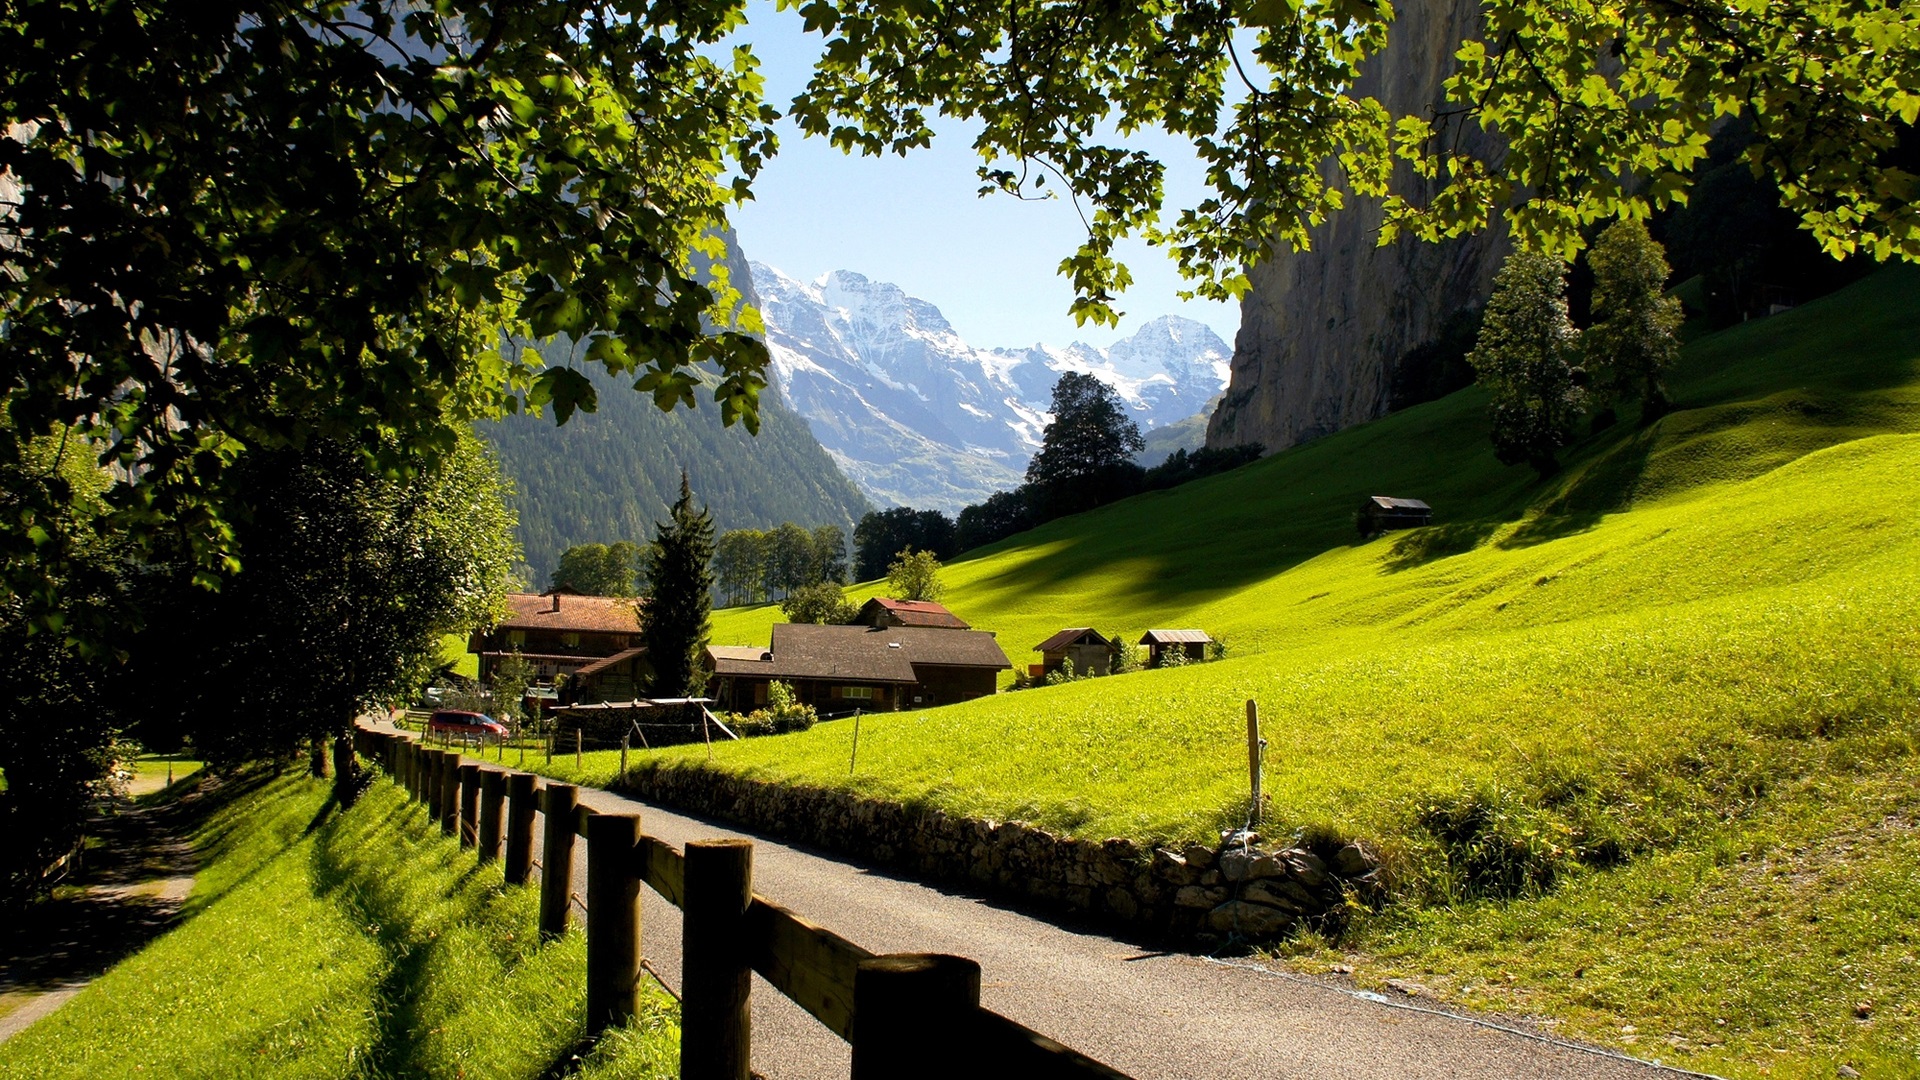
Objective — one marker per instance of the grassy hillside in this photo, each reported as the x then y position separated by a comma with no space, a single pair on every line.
320,943
1674,694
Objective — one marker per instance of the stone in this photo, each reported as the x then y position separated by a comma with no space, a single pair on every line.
1211,877
1198,856
1173,868
1407,987
1122,903
1352,861
1194,896
1306,867
1286,895
1847,1072
1249,920
1233,865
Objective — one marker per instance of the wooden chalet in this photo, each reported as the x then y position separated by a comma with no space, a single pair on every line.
886,611
591,641
1378,514
1081,650
1192,643
838,669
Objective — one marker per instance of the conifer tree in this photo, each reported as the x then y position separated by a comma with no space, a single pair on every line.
675,624
1632,339
1086,454
1524,358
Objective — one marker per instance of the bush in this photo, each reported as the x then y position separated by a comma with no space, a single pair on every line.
784,713
824,602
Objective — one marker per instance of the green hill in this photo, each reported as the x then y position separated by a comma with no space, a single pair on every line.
1680,680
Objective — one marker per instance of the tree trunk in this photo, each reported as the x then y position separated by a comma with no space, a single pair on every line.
317,757
346,769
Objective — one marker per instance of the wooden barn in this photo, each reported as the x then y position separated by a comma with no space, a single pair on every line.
1379,513
1191,643
1080,650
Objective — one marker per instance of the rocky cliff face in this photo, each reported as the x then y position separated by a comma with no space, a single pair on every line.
1321,329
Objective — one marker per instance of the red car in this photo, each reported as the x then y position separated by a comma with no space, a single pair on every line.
460,722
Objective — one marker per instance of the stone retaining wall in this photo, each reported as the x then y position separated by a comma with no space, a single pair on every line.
1198,893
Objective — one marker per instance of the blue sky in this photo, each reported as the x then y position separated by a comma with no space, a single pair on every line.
987,263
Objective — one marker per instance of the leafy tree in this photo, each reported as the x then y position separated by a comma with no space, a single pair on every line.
915,575
1433,369
511,677
1086,454
995,518
1596,112
823,602
791,562
265,225
1184,466
881,534
1632,338
680,600
829,554
601,569
1525,360
740,565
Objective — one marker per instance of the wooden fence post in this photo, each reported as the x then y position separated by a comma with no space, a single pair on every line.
613,920
430,776
410,767
520,810
915,1014
449,792
1254,744
556,859
715,972
469,804
493,789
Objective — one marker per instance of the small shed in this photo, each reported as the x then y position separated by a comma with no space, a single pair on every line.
1081,649
645,722
1191,643
1381,513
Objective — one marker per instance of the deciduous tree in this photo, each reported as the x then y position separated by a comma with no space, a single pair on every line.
1633,335
915,575
1525,358
823,602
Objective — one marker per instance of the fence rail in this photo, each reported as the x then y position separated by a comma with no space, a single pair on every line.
904,1015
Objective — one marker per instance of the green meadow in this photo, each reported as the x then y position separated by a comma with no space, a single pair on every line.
326,943
1635,742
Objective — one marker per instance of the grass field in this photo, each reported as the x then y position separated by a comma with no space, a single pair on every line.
1678,685
328,944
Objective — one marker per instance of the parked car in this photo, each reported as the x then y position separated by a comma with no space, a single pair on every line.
461,722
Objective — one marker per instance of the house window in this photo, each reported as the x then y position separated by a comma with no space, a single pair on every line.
860,693
571,641
516,638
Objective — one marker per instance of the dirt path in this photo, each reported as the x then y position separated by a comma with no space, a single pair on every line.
1146,1012
130,891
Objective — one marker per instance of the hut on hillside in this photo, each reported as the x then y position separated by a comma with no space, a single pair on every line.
1081,650
1191,644
1380,513
885,611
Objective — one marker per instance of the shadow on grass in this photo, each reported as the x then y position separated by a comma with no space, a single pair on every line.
1421,546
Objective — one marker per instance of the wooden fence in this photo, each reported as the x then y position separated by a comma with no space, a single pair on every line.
915,1015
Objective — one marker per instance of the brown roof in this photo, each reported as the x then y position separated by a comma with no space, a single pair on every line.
1388,503
1175,637
913,613
606,662
585,614
1067,637
859,653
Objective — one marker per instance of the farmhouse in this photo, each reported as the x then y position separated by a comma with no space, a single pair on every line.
838,669
886,611
1081,649
1192,644
1378,514
594,641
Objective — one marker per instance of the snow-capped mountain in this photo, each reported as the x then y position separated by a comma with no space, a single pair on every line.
918,417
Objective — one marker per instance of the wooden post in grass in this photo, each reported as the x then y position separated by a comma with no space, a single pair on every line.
493,790
556,859
430,778
576,748
623,756
1254,743
449,792
613,920
469,804
715,968
520,808
915,1014
854,758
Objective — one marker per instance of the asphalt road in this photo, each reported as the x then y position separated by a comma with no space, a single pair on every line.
1147,1013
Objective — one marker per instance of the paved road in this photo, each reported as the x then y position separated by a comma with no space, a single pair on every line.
1147,1013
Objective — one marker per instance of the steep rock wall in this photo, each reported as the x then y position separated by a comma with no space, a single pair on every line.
1321,329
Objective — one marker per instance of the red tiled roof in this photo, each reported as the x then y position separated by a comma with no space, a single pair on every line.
585,614
915,613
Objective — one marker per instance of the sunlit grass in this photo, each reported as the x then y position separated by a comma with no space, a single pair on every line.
322,943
